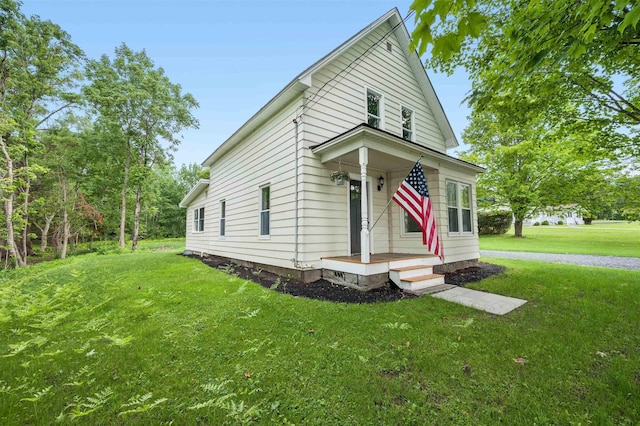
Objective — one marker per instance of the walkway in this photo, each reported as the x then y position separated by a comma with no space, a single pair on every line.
488,302
573,259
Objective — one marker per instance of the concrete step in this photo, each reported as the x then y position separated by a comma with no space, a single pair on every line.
420,282
409,271
432,290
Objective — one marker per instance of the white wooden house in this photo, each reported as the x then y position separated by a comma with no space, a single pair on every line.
553,215
369,110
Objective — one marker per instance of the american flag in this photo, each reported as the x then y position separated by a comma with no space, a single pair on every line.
413,197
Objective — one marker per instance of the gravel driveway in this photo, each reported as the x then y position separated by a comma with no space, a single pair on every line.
574,259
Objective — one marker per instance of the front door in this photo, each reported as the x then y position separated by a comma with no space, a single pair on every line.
355,216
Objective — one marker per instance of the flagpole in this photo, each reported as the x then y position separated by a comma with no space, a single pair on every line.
387,206
383,210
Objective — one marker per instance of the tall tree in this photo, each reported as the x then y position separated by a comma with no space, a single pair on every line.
144,111
523,155
38,64
586,52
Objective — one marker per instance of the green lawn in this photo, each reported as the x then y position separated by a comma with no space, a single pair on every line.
601,238
156,338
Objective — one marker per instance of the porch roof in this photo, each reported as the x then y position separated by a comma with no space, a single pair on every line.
386,149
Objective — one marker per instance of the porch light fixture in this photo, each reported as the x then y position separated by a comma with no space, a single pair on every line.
380,183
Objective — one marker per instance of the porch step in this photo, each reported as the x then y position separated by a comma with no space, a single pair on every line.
420,282
432,290
416,275
409,271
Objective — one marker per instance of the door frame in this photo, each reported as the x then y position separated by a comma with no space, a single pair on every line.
369,186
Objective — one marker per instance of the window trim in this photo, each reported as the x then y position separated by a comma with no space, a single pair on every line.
379,93
412,137
198,220
261,211
459,208
222,230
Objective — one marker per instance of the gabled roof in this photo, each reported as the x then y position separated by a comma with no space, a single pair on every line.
303,82
195,191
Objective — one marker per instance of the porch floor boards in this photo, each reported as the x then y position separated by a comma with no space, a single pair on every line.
378,257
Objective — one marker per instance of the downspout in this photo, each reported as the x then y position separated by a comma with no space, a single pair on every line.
295,207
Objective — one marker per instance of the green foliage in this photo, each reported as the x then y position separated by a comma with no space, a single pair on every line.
192,359
553,52
145,112
536,224
522,155
494,222
38,74
545,223
560,222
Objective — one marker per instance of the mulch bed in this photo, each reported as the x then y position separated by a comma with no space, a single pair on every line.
325,290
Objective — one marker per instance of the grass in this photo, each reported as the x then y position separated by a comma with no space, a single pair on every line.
601,238
156,338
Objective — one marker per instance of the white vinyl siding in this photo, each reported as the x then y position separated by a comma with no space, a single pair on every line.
266,155
387,73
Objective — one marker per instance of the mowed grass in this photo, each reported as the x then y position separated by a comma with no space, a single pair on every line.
157,338
601,238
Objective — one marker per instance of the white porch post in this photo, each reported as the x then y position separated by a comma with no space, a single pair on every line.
365,256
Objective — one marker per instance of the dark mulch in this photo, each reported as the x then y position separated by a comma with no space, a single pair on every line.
324,290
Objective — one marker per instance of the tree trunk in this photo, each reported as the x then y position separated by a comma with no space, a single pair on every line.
136,219
8,207
518,228
65,234
44,234
25,230
65,219
123,206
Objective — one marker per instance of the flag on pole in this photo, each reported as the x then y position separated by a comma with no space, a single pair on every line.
413,197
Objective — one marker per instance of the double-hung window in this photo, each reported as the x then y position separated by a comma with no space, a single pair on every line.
198,220
374,109
407,123
265,211
459,207
223,217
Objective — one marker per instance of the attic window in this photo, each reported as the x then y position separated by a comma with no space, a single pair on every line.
389,46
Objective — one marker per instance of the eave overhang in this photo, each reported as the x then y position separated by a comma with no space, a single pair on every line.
194,192
363,135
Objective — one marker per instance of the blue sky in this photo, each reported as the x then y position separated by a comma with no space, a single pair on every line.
232,56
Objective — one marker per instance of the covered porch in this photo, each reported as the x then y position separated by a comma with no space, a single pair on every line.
383,160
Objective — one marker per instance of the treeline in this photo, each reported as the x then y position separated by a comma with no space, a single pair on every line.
85,145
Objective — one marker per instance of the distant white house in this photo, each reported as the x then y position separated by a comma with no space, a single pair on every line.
366,109
568,215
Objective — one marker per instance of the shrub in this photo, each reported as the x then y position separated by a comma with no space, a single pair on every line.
560,222
536,224
494,223
545,222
